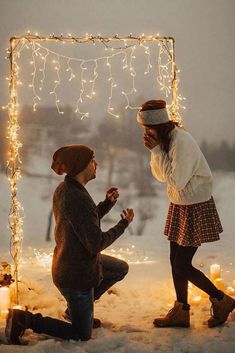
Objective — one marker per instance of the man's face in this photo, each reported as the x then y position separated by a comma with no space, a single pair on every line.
91,169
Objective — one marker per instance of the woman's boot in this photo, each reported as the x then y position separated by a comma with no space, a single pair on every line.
220,310
176,317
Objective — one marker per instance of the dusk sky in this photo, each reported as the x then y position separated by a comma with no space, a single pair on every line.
204,31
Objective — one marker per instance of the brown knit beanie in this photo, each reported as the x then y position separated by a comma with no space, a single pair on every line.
71,159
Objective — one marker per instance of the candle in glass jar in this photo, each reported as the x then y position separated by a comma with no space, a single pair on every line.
197,299
215,271
219,283
17,307
4,300
230,291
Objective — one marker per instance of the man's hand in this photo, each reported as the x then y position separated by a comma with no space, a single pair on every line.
112,194
128,214
149,141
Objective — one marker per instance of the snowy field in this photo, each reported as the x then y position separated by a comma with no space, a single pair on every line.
128,311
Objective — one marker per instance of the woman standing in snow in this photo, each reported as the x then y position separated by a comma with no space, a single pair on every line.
192,217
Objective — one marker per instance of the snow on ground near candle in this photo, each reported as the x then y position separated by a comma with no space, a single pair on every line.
146,292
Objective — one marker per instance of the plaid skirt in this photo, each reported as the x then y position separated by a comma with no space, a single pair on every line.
191,225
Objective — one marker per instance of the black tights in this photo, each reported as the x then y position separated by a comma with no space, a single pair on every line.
183,271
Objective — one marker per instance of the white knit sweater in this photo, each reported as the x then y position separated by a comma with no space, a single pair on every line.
183,168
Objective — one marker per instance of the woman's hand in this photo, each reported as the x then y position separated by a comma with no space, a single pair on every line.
112,194
128,214
150,141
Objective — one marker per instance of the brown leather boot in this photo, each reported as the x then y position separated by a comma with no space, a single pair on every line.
220,310
176,317
17,323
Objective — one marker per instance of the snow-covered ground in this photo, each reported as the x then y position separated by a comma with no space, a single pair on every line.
126,313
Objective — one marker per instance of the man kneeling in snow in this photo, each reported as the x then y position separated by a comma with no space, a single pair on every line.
79,271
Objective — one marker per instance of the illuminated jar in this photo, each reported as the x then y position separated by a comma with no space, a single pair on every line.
4,300
215,271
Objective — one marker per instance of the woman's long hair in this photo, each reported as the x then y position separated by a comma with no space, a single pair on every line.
163,130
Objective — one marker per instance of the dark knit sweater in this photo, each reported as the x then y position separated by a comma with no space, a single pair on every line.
79,238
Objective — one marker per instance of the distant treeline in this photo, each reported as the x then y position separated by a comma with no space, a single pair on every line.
220,156
43,132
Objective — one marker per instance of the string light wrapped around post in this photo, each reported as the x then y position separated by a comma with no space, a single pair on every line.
13,166
124,48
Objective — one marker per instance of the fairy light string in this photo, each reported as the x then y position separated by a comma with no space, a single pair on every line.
36,97
169,80
123,48
13,165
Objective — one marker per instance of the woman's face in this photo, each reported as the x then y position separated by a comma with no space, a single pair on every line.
150,131
150,137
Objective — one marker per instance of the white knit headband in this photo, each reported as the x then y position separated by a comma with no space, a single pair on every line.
153,117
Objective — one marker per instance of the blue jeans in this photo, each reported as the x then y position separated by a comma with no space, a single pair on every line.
114,270
81,305
81,308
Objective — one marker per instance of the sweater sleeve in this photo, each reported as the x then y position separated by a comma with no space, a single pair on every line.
104,207
84,220
179,165
155,166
